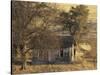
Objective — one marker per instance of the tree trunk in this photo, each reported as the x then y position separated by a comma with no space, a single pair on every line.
23,66
24,63
24,60
77,45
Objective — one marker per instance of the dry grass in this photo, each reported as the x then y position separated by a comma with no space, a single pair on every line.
85,65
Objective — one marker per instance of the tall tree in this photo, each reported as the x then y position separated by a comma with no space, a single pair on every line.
75,21
31,27
79,19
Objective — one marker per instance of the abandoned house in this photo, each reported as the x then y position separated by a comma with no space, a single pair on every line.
64,54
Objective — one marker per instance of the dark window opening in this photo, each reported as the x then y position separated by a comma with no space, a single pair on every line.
61,53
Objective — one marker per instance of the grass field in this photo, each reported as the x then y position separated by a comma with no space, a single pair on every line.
85,65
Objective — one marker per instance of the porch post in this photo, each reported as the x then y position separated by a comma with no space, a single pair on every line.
49,55
72,50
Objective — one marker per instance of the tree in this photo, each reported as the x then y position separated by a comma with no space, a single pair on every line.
20,20
79,16
31,28
44,38
75,21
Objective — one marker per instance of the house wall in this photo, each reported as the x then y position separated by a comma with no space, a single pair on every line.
46,55
51,55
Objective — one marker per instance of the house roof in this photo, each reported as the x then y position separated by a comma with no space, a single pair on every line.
66,41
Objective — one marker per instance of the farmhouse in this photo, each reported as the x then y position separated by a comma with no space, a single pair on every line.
65,53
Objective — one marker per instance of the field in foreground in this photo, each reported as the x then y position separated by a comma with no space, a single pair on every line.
85,65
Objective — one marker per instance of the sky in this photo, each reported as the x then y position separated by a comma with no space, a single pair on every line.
92,9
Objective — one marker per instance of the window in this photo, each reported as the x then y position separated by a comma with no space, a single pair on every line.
61,53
